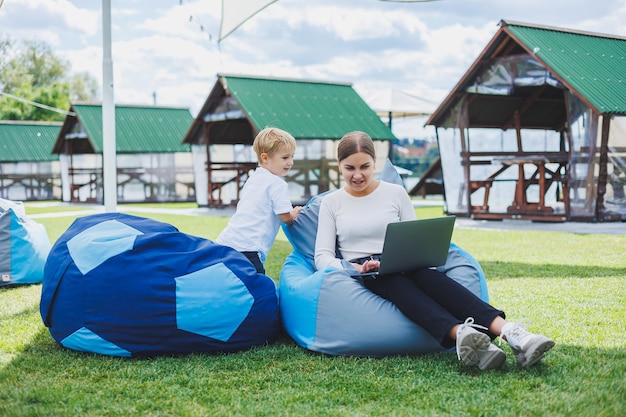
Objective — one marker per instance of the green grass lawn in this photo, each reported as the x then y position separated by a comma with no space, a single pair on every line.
570,287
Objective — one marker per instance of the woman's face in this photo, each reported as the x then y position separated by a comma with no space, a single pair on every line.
357,170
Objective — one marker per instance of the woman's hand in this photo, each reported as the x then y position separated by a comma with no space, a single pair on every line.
368,266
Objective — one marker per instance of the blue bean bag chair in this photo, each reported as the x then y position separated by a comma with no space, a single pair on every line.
24,246
330,312
128,286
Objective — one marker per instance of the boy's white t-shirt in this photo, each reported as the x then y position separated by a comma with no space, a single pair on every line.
254,226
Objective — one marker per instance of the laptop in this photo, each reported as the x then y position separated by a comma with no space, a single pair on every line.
414,244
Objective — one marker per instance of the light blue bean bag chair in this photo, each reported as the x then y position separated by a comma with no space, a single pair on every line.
128,286
330,312
24,246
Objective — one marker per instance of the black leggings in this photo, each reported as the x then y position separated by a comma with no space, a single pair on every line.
434,301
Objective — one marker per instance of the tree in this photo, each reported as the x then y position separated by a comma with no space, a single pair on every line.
31,73
5,47
83,87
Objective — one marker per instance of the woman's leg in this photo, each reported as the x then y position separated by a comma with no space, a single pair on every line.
473,347
435,302
416,305
495,327
529,348
458,300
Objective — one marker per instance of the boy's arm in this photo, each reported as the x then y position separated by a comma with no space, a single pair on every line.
291,216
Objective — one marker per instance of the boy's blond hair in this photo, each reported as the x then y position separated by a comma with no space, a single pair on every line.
271,139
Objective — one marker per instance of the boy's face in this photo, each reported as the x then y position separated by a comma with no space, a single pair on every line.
279,163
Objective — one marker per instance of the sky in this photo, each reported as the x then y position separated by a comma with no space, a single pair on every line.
168,50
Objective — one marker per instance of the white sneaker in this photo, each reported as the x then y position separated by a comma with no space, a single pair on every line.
528,347
475,348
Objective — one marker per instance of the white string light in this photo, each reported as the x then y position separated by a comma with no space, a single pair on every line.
33,103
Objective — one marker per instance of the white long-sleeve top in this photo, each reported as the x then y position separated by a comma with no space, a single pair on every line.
357,225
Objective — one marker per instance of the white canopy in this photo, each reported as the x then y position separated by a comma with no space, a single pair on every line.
399,103
236,13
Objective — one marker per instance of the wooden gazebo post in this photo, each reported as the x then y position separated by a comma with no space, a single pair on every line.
207,129
462,123
602,169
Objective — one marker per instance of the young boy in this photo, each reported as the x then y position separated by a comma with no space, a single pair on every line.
264,202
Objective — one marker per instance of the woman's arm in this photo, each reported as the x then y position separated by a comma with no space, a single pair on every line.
407,211
326,239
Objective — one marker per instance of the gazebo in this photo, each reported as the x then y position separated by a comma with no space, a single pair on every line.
536,128
28,170
316,113
152,164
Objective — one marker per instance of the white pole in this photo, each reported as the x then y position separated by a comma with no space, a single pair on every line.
109,164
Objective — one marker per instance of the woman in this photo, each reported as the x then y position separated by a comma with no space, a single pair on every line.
354,219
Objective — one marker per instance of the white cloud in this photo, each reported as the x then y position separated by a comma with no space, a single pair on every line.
364,23
191,21
87,59
47,20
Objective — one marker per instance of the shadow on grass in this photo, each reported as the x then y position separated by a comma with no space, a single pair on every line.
44,356
503,270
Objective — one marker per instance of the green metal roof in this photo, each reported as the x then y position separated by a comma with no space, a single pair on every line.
306,109
138,129
594,65
26,141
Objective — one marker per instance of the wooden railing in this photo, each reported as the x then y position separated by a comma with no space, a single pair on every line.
542,177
